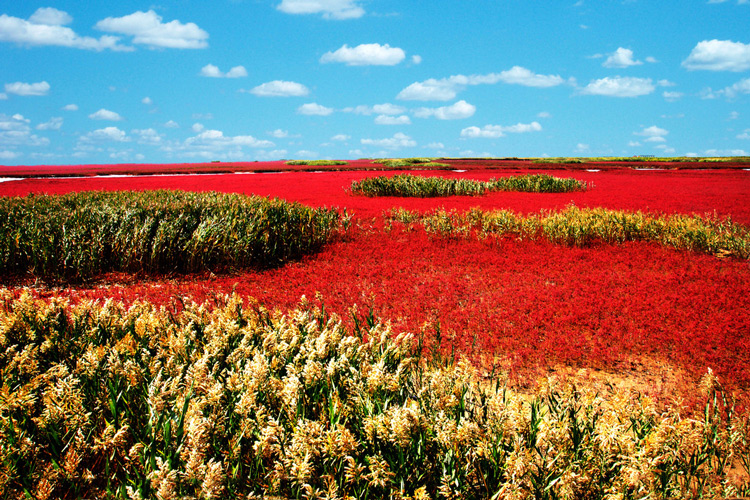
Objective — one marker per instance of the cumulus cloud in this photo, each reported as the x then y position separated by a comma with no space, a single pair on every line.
495,131
280,88
314,109
741,87
46,27
105,114
653,134
620,58
366,54
50,16
457,111
212,71
279,134
27,89
15,131
147,136
172,124
329,9
672,96
70,107
378,109
619,87
106,134
54,123
392,120
215,139
147,101
340,137
399,140
147,28
719,55
446,89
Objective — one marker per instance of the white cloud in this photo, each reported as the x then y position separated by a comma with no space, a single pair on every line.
543,114
741,87
446,89
197,127
582,148
725,152
415,59
494,131
392,120
399,140
734,115
340,137
27,89
50,17
45,28
105,114
280,88
457,111
279,134
621,58
367,54
378,109
147,28
314,109
106,134
15,131
8,155
147,136
653,134
172,124
3,96
215,139
619,87
719,55
212,71
672,96
305,153
744,135
147,101
53,124
330,9
435,145
70,107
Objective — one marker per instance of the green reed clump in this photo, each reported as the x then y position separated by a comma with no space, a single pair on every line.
586,226
411,163
425,187
232,401
316,162
76,236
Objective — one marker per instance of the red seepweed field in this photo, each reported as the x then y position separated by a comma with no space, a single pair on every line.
631,313
501,345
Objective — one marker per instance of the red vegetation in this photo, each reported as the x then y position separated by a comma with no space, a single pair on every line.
523,305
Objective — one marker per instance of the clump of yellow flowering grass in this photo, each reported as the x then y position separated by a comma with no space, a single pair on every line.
234,401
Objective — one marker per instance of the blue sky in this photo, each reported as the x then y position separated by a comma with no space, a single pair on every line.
244,80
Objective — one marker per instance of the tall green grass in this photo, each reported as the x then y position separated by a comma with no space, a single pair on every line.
586,226
316,162
106,401
425,187
411,163
76,236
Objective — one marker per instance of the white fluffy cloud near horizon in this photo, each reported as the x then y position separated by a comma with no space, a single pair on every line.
366,54
457,111
496,131
446,89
